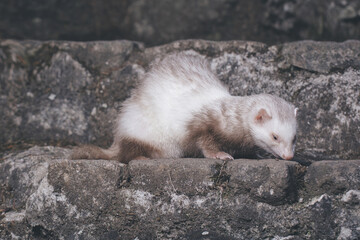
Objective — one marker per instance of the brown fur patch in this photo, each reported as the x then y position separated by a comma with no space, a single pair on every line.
134,149
205,136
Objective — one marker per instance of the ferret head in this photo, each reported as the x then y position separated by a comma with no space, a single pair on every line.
273,126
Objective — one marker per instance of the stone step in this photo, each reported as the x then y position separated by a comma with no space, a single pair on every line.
46,195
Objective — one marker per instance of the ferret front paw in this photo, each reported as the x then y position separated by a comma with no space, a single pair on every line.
219,155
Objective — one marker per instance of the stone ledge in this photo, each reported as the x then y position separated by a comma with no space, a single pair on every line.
332,177
185,176
47,197
268,180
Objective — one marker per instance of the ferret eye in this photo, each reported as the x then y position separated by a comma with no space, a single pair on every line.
275,137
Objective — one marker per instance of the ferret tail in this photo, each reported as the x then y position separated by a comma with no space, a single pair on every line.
95,152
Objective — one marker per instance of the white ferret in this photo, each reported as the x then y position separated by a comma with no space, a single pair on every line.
181,109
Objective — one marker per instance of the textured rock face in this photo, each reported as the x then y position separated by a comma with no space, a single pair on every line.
46,196
65,93
70,92
157,21
48,87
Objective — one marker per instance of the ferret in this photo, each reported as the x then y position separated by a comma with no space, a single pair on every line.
181,109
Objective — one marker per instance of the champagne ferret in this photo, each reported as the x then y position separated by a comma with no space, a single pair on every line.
181,109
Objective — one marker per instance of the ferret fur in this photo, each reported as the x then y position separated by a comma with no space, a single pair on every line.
181,109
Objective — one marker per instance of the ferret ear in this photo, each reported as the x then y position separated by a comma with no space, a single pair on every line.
262,116
295,111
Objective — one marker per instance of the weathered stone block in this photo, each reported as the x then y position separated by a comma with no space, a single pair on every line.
271,181
88,177
21,174
192,176
43,195
335,177
314,56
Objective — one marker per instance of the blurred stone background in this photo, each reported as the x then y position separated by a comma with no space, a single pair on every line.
157,22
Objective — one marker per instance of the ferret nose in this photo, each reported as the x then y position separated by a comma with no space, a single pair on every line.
287,157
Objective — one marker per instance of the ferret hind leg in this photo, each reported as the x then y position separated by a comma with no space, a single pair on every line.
132,149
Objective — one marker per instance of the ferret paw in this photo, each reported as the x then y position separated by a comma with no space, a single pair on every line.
220,155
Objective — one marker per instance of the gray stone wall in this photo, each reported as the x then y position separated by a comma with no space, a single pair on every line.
66,93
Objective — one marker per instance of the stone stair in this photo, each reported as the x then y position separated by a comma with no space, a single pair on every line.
48,196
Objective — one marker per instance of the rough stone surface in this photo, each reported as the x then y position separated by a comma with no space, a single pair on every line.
271,181
44,195
64,93
332,176
53,89
161,21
